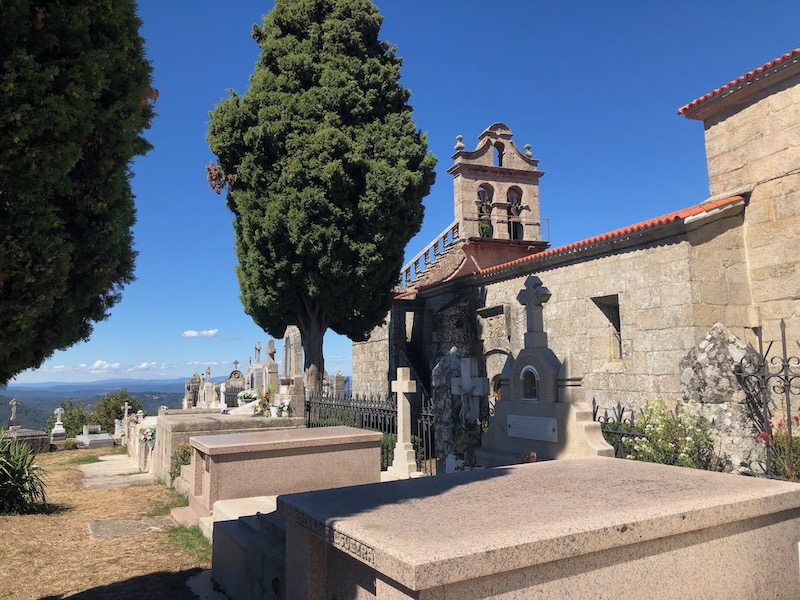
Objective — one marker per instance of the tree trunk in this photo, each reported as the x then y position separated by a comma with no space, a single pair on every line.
313,334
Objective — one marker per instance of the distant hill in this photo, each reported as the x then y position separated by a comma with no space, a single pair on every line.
37,401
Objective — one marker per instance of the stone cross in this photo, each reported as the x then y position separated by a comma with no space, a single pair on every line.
59,412
405,462
471,389
236,365
126,407
271,350
13,404
533,297
258,352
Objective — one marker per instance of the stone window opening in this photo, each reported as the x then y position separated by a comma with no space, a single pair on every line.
609,306
499,151
529,384
514,198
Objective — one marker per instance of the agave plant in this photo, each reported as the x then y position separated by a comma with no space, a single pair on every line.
22,487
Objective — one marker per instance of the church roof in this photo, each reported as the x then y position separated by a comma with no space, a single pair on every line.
685,215
678,215
740,82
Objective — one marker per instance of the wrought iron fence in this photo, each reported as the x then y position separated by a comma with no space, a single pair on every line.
378,413
618,425
770,383
375,412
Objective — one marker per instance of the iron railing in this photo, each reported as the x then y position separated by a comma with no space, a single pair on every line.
377,413
618,425
769,384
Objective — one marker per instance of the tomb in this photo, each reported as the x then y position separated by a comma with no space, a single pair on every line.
540,409
93,437
565,529
175,427
264,463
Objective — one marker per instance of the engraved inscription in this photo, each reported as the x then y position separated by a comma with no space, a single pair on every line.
337,539
533,428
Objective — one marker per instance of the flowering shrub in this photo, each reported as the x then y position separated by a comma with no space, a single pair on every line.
784,454
182,456
679,438
148,435
284,403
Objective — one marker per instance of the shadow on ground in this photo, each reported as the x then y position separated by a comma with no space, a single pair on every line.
154,586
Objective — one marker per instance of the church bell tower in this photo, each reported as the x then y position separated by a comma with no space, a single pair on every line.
496,188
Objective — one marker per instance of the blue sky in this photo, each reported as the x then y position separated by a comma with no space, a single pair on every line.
593,86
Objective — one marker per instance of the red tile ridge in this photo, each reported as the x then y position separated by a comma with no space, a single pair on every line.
648,224
727,86
405,294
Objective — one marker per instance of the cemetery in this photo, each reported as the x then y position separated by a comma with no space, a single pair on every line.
500,438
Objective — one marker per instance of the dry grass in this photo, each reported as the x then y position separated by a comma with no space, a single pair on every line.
52,556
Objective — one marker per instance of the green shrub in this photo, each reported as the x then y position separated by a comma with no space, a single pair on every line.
109,408
73,419
22,488
387,450
343,418
70,444
681,437
467,443
784,453
182,456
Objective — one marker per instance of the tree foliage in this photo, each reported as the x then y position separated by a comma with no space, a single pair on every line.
325,171
109,407
74,418
74,98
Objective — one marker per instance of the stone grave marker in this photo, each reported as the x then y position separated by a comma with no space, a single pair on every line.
404,464
541,412
58,434
93,437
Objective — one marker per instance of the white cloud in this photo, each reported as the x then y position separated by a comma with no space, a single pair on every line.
59,367
207,363
206,333
101,366
148,366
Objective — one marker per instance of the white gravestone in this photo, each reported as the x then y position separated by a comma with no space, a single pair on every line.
58,432
404,464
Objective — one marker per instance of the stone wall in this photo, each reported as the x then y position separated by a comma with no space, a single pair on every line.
753,142
371,363
756,139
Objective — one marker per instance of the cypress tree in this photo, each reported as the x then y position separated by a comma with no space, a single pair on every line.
74,98
325,172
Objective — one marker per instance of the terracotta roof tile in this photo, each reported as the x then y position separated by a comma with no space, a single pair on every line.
678,215
738,80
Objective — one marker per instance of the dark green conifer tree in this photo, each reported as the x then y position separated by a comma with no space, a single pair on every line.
74,98
325,171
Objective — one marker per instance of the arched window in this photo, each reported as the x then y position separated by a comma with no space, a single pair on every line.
529,384
499,150
514,198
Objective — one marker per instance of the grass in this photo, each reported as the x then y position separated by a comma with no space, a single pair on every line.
175,501
192,541
86,459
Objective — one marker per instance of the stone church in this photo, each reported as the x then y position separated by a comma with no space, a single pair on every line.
628,305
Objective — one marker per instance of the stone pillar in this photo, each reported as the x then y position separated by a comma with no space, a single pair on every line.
404,463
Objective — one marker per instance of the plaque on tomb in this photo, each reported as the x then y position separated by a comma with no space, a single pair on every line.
543,429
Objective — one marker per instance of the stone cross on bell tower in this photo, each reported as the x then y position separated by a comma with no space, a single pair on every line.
533,297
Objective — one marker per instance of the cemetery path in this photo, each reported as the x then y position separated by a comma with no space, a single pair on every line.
52,556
